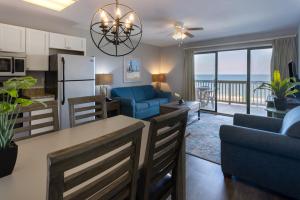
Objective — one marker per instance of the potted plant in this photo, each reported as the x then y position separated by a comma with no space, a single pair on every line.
10,106
280,89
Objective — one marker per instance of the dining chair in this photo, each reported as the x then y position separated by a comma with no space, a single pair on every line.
36,119
105,168
86,109
159,176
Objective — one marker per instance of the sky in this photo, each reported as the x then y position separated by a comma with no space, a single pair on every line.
234,62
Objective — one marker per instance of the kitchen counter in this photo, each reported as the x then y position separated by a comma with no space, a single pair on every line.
37,93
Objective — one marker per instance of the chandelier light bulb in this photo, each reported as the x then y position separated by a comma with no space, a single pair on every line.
127,23
131,17
118,13
103,14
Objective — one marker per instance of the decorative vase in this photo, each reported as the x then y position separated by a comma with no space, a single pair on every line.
180,101
8,157
280,103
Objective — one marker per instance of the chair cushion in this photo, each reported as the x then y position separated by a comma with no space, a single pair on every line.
291,123
141,106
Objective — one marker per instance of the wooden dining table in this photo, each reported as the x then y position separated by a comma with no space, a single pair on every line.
29,178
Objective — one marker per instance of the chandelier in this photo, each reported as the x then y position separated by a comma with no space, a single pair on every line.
116,29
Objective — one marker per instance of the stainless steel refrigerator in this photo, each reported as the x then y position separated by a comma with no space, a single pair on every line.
70,76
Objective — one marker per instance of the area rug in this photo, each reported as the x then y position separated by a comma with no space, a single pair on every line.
203,140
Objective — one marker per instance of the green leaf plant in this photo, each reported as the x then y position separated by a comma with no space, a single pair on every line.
280,88
11,105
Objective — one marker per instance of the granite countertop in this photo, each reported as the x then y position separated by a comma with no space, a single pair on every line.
37,93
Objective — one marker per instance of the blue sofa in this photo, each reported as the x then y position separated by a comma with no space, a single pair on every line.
140,101
264,151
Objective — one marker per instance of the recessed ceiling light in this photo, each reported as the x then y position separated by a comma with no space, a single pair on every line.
57,5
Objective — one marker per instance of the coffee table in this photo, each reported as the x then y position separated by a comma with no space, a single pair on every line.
193,106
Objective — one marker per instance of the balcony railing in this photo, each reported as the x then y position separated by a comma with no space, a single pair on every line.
234,91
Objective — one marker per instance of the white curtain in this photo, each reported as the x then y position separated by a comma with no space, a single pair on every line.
284,51
189,75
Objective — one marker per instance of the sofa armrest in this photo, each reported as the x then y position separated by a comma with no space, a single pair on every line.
258,122
162,94
258,140
127,106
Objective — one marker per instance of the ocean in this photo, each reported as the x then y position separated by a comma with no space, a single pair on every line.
234,77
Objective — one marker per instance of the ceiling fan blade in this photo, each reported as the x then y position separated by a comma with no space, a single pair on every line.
189,34
195,29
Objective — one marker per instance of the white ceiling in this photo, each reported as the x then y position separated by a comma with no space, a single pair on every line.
220,18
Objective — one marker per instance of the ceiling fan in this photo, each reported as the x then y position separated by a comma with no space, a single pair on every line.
181,31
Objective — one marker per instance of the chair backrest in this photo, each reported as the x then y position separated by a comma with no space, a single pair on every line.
104,168
36,119
86,109
166,135
291,123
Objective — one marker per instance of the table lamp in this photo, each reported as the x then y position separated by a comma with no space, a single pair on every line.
103,80
158,79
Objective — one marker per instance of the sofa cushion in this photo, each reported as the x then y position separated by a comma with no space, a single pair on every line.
141,106
163,100
143,92
152,102
124,92
291,123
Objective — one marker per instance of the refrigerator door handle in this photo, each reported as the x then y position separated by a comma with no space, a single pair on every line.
13,65
63,81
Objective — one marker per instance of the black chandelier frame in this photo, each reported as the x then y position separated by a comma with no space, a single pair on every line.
122,33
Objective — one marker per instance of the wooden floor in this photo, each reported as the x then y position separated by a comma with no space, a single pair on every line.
205,181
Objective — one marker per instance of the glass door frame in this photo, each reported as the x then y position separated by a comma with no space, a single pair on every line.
248,86
215,80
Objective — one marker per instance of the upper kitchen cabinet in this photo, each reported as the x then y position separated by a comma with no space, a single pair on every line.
75,43
37,42
12,38
37,50
60,41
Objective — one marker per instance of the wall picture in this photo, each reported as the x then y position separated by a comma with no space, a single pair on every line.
132,69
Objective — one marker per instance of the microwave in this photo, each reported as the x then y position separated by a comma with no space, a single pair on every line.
12,66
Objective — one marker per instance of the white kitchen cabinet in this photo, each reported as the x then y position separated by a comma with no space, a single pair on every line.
75,43
37,42
12,38
57,41
37,50
60,41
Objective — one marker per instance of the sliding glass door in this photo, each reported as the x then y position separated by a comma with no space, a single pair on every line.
225,81
260,71
232,81
205,77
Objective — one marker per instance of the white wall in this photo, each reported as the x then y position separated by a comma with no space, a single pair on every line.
172,64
